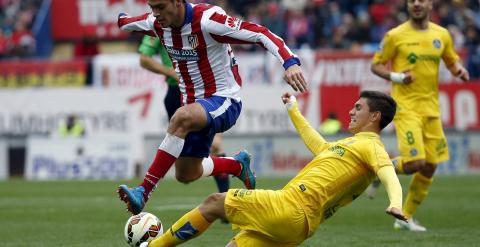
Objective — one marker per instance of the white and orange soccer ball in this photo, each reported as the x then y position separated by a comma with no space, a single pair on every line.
141,228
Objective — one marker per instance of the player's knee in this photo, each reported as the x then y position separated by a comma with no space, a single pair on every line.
214,201
182,118
413,166
212,207
184,178
214,198
428,170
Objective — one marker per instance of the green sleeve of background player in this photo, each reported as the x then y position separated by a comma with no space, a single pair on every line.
151,46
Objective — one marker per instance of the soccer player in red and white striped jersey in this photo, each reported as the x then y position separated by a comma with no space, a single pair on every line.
198,38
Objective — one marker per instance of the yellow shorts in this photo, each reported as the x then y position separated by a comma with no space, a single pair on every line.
421,138
265,217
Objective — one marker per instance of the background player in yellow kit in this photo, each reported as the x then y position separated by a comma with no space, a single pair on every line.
337,175
415,49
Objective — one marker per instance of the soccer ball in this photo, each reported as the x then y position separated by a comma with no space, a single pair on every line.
141,228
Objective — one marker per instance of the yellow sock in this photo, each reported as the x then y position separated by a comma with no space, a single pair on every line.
398,164
189,226
416,193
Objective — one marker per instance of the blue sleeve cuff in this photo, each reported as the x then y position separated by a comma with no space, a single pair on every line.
122,15
291,61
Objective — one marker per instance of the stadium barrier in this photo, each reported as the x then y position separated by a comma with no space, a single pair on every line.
104,157
127,100
139,112
104,112
342,74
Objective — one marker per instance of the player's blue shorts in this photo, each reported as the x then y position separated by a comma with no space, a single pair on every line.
222,114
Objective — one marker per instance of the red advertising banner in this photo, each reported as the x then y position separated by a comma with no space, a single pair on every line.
460,103
74,19
347,68
42,73
338,100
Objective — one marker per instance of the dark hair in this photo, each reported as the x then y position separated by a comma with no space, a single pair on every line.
384,103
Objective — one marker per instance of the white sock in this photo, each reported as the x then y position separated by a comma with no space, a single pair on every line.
172,145
207,164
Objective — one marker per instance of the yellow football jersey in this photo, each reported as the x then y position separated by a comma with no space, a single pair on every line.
338,174
420,51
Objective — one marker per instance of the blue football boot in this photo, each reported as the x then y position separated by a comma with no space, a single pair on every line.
133,197
246,174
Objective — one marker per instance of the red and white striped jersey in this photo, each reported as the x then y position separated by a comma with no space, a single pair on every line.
201,52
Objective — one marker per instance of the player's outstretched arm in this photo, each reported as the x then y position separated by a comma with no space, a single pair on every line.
389,179
142,23
229,29
312,139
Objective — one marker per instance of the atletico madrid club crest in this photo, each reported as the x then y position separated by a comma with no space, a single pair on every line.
193,40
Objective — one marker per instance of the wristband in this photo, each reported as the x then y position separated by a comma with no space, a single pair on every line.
397,77
291,61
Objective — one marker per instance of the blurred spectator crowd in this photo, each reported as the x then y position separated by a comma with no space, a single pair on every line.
356,25
16,20
348,24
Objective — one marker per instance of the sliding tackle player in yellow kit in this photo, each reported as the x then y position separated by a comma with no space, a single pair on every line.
337,175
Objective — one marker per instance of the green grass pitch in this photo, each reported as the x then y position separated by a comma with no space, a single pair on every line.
88,213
